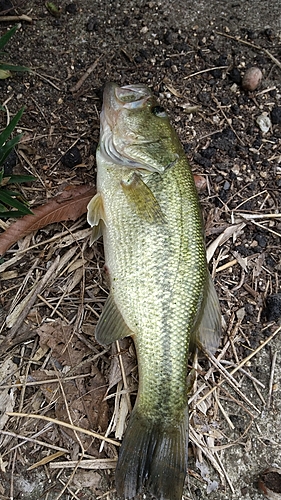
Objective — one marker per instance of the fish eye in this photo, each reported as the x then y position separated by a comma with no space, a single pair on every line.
159,111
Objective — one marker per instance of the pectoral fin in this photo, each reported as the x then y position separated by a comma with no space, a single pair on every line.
142,199
207,332
111,325
96,217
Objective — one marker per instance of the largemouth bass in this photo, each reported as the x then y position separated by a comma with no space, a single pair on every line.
161,293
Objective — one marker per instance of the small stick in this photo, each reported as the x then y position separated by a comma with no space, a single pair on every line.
14,330
84,77
258,47
243,362
224,471
204,71
273,363
22,17
227,265
124,376
259,392
31,440
46,80
224,412
230,380
229,363
65,424
96,464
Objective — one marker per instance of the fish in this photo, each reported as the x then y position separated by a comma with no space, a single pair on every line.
161,292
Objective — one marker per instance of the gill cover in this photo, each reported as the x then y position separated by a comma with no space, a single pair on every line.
131,134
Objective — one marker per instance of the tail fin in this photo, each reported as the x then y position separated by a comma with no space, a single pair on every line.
153,455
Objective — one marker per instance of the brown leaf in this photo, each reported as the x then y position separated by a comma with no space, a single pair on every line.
69,205
83,396
67,349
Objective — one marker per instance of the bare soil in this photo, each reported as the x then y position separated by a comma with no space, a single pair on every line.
193,55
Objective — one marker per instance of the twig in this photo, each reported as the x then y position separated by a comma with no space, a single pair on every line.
224,471
84,77
65,424
47,381
273,363
227,120
229,363
14,330
46,80
230,380
124,376
254,46
95,464
31,440
243,362
224,412
204,71
22,17
266,228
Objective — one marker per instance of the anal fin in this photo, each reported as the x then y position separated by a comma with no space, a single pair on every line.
111,325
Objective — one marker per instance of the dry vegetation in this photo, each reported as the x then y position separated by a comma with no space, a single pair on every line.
64,400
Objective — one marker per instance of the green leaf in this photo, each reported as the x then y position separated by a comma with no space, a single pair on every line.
4,73
15,214
7,148
9,129
19,179
12,67
3,208
5,38
7,198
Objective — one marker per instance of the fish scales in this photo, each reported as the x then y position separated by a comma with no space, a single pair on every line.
151,286
159,283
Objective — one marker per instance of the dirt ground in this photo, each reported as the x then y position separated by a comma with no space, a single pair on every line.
52,284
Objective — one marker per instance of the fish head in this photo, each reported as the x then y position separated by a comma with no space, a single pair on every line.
135,130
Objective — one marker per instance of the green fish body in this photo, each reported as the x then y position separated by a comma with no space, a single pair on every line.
161,292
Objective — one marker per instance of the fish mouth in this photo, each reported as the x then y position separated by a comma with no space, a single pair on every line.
116,99
129,97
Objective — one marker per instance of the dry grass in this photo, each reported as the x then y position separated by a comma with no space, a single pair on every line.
50,362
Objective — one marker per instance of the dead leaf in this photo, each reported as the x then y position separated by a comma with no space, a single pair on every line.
67,349
88,479
69,205
82,400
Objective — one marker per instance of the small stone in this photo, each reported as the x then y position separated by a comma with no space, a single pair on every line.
264,122
92,24
251,78
72,157
71,8
168,38
273,307
276,115
235,76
